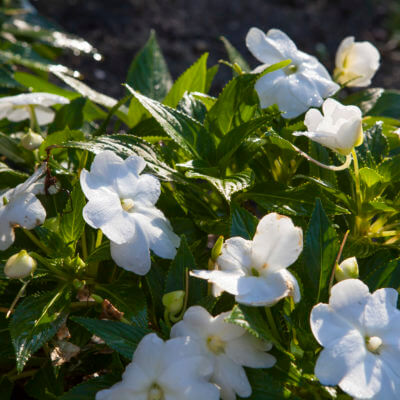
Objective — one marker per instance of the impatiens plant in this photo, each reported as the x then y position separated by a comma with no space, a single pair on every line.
188,243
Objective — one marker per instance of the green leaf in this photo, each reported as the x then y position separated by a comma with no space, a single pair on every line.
121,337
364,99
229,185
35,321
234,138
390,169
189,134
69,115
242,223
128,145
387,275
88,389
387,105
10,177
193,79
53,242
234,56
7,79
372,184
251,319
148,73
320,252
6,388
374,147
72,223
193,107
11,150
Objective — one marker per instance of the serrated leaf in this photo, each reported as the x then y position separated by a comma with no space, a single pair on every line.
372,184
387,105
148,72
11,150
189,134
320,252
72,223
35,321
234,138
193,107
389,169
194,79
242,223
10,177
119,336
374,147
234,55
128,145
229,185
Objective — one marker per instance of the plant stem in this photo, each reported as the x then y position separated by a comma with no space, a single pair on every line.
34,125
271,322
357,179
35,240
84,246
17,297
337,260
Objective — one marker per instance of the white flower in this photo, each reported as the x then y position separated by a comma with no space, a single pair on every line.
295,88
361,335
229,348
340,128
255,270
356,62
20,265
122,204
20,207
160,370
17,108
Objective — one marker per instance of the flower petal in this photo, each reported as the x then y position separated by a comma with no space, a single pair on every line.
17,114
250,352
312,119
7,235
235,255
277,243
263,49
342,355
147,190
225,280
195,323
120,391
134,255
44,115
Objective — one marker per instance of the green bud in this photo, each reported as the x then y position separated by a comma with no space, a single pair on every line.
31,140
217,249
173,301
347,269
20,265
78,284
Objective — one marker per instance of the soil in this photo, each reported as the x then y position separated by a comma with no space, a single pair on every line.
188,28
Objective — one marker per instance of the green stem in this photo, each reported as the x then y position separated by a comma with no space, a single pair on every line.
84,246
271,322
93,267
357,179
18,296
34,125
35,240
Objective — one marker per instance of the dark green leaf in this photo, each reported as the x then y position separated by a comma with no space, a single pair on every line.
14,152
189,134
72,223
243,223
387,105
148,73
193,107
35,321
374,147
365,99
320,251
119,336
69,115
10,177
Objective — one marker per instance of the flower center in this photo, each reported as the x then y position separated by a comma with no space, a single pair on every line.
374,344
127,204
291,69
215,344
5,201
155,393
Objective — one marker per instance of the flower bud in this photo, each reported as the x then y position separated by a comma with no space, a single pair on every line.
20,265
173,301
356,63
31,140
217,248
347,269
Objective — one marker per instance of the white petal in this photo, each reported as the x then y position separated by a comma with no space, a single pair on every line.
162,240
363,380
277,243
338,360
195,323
268,86
264,291
327,325
120,391
38,98
225,330
250,352
225,280
235,255
348,298
342,50
312,119
263,49
5,108
18,114
7,235
135,164
44,115
147,190
26,211
230,377
282,42
133,255
106,213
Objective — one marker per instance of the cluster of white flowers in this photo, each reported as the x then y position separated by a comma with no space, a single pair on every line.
203,360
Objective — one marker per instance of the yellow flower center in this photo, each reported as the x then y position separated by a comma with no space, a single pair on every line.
155,393
291,69
215,344
127,204
374,344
